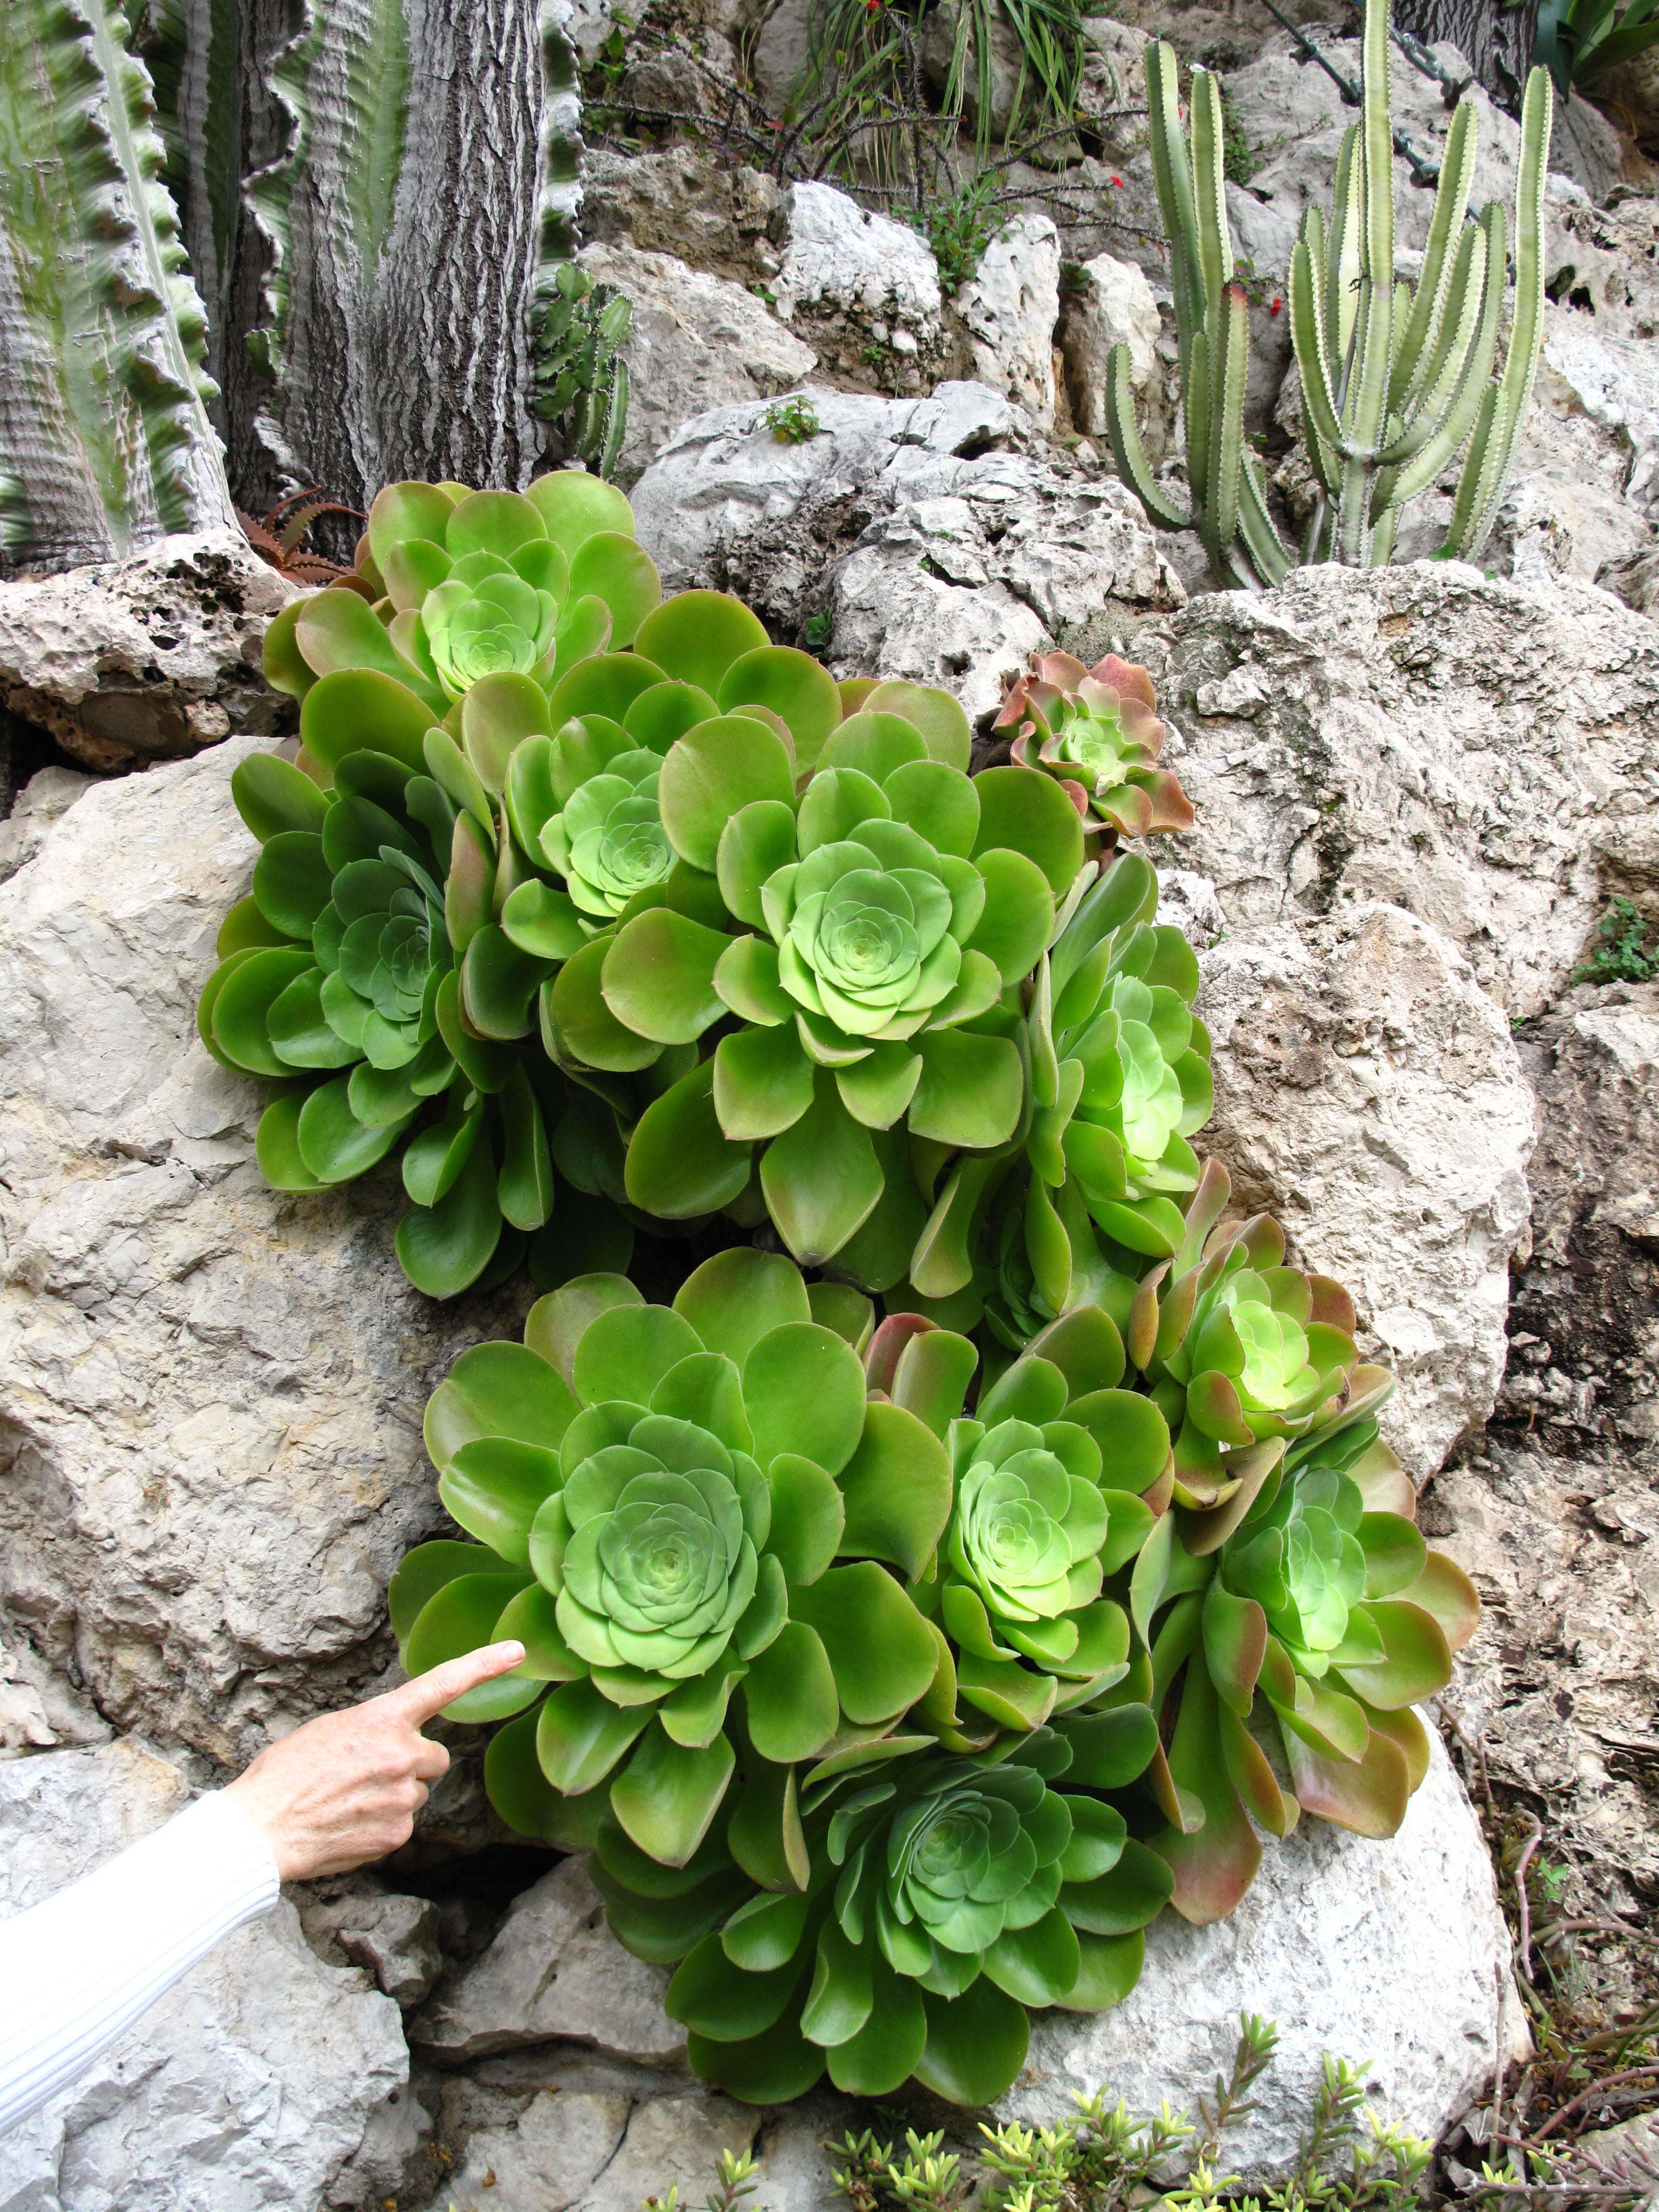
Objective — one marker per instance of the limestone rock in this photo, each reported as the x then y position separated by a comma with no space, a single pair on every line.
695,342
1369,1095
842,259
396,1938
935,553
48,793
781,47
554,1971
1557,1515
681,201
146,659
211,1393
1485,755
1113,305
1010,307
264,2077
1385,1952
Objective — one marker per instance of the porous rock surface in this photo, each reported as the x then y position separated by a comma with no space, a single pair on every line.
211,1394
1556,1513
934,547
264,2078
1368,1094
1010,307
1331,1944
1485,755
695,342
147,659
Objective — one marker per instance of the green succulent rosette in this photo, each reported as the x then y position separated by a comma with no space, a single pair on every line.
369,974
1286,1597
1118,1084
661,1499
1097,730
933,1900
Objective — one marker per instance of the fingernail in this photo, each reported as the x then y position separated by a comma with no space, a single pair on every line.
515,1648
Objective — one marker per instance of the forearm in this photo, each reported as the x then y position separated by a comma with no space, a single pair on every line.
79,1968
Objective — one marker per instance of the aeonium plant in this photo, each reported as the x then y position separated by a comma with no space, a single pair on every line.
1096,729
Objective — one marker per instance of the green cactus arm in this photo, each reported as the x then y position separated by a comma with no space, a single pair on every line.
615,422
1261,542
1472,525
1467,502
1367,397
1444,370
1308,338
1343,258
1127,451
1229,370
1430,299
1215,246
1382,537
1198,385
1417,474
1175,197
101,388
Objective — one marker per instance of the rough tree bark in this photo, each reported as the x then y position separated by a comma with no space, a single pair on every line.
1495,40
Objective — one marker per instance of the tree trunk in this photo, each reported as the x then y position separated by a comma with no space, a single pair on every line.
411,228
105,441
1496,41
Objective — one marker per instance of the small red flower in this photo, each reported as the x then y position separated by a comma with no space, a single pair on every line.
1118,181
1275,307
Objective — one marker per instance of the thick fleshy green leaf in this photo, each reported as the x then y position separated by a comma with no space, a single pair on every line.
935,712
758,840
340,633
558,1323
1110,1967
1036,1964
1368,1796
1130,1896
898,1488
523,1188
333,1143
763,1082
971,1091
625,1352
460,1618
842,1993
245,929
821,1176
977,2044
242,1001
1394,1552
883,2053
770,2068
422,1573
680,1163
877,1089
435,1158
1416,1662
533,1618
881,1649
739,1297
444,1248
581,1735
1216,1863
796,688
277,1145
711,773
584,1027
497,714
695,636
300,1031
495,1488
609,566
764,1835
1023,811
1018,917
667,1794
714,1997
497,1390
657,976
808,1515
575,507
361,710
542,922
518,1789
272,796
790,1697
803,1385
694,1715
499,983
1110,1750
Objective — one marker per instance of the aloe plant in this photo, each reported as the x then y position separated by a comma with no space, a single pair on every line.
1395,379
101,384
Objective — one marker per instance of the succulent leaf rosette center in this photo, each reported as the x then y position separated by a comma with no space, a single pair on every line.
484,619
1097,729
608,843
867,948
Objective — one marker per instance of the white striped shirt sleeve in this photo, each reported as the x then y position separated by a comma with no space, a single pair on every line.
79,1968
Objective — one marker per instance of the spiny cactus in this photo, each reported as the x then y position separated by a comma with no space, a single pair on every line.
101,388
1396,378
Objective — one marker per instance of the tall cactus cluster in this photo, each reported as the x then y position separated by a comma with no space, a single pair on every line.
382,296
1396,378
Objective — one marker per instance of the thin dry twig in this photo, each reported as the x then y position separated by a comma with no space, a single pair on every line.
1525,1908
1588,2096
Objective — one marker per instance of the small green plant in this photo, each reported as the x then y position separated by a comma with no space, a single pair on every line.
1580,41
959,226
582,377
792,421
1238,161
735,2182
817,632
1622,956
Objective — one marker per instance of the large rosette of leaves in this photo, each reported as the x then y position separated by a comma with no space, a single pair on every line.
1097,730
1049,1478
661,1498
367,973
846,956
1118,1084
1286,1598
931,1901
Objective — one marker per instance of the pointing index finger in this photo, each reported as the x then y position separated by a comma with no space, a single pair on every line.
425,1698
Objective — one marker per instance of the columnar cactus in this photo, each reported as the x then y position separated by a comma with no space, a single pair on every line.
1395,379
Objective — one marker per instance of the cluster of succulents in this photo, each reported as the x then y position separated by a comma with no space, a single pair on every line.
886,1722
979,1558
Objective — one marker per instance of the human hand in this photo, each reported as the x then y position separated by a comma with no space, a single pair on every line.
345,1788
